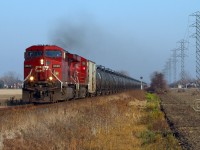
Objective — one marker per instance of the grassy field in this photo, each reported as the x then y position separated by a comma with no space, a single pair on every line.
125,121
7,93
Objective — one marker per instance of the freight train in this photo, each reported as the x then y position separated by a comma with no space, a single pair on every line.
52,74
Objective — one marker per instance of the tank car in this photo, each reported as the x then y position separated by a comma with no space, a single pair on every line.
52,73
109,81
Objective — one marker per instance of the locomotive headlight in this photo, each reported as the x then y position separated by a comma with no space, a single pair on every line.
50,78
31,78
42,61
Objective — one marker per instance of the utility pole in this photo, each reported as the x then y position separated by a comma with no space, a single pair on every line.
174,61
182,56
197,36
141,83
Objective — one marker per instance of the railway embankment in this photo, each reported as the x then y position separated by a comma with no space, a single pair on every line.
129,120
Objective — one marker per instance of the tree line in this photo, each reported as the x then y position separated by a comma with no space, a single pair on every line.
10,80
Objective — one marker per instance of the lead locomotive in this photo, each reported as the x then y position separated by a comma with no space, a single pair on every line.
52,74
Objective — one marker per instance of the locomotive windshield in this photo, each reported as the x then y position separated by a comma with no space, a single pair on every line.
53,53
32,54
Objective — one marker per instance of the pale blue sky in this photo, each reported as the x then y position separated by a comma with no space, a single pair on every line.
131,35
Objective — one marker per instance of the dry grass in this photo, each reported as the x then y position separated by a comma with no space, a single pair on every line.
107,122
7,93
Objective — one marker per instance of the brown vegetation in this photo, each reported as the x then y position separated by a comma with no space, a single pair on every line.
8,94
158,83
107,122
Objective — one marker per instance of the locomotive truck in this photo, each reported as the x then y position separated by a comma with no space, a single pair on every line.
52,74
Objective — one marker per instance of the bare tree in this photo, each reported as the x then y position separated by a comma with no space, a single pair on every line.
158,83
11,78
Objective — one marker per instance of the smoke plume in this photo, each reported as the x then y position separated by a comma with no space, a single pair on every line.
110,45
80,36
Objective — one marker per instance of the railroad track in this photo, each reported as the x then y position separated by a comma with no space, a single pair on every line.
19,104
14,104
27,106
16,107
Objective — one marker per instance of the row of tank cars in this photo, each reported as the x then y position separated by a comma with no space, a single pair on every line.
52,74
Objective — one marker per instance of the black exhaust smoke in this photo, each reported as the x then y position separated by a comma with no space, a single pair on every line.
82,36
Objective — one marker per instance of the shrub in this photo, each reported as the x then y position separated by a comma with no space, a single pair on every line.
158,83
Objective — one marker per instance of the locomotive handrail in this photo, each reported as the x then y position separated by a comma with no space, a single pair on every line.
28,75
76,80
57,79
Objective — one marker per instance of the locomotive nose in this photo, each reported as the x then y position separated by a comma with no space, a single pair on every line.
42,70
41,61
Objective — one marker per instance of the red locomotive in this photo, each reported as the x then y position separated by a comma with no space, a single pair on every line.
52,74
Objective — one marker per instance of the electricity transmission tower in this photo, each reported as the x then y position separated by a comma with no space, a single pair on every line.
174,61
167,71
197,36
182,55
